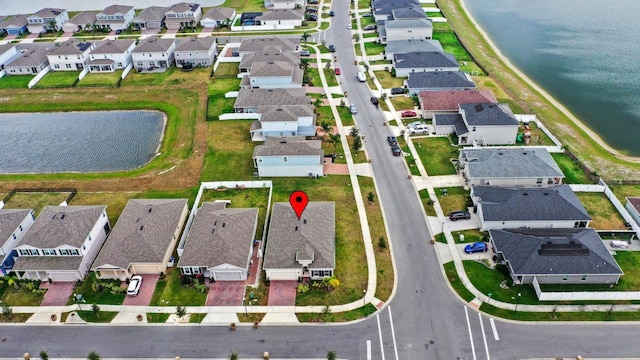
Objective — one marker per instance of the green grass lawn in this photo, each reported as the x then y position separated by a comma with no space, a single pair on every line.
218,105
169,292
427,203
57,79
488,281
571,170
402,103
454,280
351,315
411,162
226,70
313,75
230,151
603,213
456,198
93,294
100,317
196,318
242,6
387,80
247,198
330,76
35,200
148,79
345,116
101,79
221,86
372,48
325,115
157,317
22,296
436,154
15,81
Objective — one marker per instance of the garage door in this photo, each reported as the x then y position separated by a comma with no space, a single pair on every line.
228,275
145,269
283,275
63,276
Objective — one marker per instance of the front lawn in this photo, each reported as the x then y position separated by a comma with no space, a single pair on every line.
58,79
328,316
456,198
387,80
170,292
330,76
26,294
345,116
373,49
99,317
98,291
436,154
402,102
427,203
411,162
487,281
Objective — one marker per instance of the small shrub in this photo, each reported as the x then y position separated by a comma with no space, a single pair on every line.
382,243
181,311
202,288
7,311
44,355
371,196
93,356
302,288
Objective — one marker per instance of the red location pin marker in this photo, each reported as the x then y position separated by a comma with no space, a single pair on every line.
298,201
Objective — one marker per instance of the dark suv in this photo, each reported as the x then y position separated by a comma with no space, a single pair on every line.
459,215
374,100
397,91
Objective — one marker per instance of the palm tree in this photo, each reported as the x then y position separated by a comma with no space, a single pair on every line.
305,37
334,139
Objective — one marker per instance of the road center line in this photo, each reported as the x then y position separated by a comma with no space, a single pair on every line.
484,337
393,333
473,349
380,335
368,349
493,328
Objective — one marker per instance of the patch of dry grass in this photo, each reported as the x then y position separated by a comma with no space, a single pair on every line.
36,200
602,211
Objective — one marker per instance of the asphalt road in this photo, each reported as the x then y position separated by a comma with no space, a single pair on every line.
424,320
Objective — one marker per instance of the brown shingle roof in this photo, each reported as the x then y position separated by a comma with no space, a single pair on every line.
261,44
450,99
260,97
154,44
62,225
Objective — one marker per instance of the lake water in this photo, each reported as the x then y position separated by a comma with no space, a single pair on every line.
584,53
94,141
11,7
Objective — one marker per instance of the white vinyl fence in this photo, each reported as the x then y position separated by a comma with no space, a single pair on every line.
584,295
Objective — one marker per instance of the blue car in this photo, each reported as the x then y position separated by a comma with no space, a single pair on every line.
476,247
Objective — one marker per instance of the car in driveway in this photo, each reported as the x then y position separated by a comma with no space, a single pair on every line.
332,48
374,100
418,127
408,113
367,15
392,140
353,109
337,71
395,150
134,285
311,17
459,215
369,27
305,53
476,247
397,91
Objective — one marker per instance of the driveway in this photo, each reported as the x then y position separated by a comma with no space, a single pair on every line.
146,291
282,293
58,293
226,293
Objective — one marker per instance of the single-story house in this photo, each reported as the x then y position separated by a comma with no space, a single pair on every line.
530,167
14,223
273,75
247,61
555,256
302,247
182,15
47,19
281,18
407,29
250,100
274,44
409,63
62,243
411,45
71,55
284,4
220,243
289,156
111,55
83,20
31,60
506,208
218,16
633,207
153,54
8,52
439,81
15,25
480,124
115,17
195,52
150,18
143,239
448,101
287,120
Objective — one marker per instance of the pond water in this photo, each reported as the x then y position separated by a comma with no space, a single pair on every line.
94,141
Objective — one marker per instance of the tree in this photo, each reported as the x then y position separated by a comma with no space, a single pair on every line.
233,356
331,355
181,311
305,37
335,140
93,356
44,355
326,127
355,132
357,143
371,196
52,25
96,310
382,243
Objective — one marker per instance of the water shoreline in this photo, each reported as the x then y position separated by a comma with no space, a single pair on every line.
591,133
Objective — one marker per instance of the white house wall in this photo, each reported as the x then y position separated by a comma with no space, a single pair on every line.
404,72
493,135
285,171
93,246
408,34
557,224
11,243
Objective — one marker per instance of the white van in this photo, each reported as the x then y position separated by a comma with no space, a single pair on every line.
361,76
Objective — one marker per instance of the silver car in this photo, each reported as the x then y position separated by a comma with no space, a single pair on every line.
353,109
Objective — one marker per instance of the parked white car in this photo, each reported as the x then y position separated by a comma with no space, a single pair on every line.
134,285
418,127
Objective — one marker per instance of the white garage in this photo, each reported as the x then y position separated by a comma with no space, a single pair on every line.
64,276
283,274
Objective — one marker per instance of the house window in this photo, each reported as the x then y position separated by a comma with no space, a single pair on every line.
29,252
68,66
89,237
14,236
580,224
285,159
64,252
20,226
74,252
139,63
195,270
186,271
24,252
584,277
48,252
56,66
539,181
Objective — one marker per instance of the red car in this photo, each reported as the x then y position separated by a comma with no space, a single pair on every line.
409,113
338,72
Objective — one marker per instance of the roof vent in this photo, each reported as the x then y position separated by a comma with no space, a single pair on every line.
213,230
525,194
62,217
223,224
304,221
215,223
141,227
149,211
296,228
545,193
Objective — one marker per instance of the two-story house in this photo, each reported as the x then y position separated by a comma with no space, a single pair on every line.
47,19
62,243
71,55
284,120
408,63
195,52
411,45
183,15
273,75
289,156
153,54
439,81
247,61
407,29
284,4
111,55
250,100
150,18
480,124
115,17
448,101
271,45
14,223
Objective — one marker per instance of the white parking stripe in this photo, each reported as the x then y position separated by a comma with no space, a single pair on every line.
368,349
473,349
484,337
493,328
393,333
380,335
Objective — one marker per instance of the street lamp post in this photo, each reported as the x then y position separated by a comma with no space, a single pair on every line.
518,301
244,301
364,298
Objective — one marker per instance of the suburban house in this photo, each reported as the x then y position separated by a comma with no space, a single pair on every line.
143,239
15,25
183,15
409,63
302,247
248,60
47,19
83,20
506,208
633,207
448,101
528,167
32,60
150,18
111,55
250,100
153,54
383,9
284,4
195,52
288,120
439,81
410,46
289,156
407,13
62,243
217,16
281,18
273,75
407,29
220,243
115,17
480,124
8,52
555,256
71,55
14,223
271,45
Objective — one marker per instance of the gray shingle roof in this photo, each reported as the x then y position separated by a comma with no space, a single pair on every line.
219,13
143,233
71,47
261,44
115,9
511,163
16,21
488,114
425,59
47,263
451,119
154,44
10,219
260,97
412,45
34,56
440,79
408,24
411,12
196,43
555,251
184,7
49,12
289,146
219,236
284,113
530,204
83,18
272,68
281,14
112,46
387,7
152,13
249,59
311,237
449,100
62,225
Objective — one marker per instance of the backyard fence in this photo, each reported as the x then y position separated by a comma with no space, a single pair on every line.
584,295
